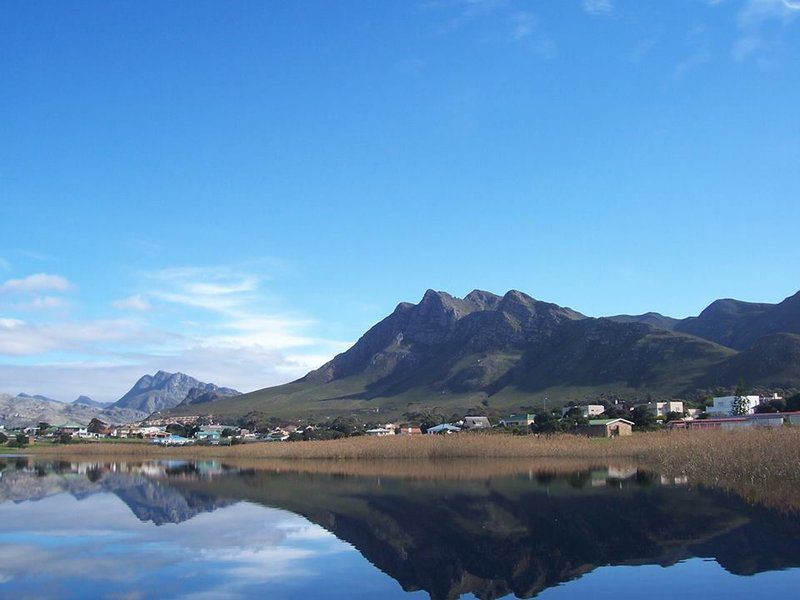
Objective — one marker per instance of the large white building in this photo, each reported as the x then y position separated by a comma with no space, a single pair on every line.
723,405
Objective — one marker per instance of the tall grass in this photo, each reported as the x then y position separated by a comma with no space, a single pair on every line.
761,465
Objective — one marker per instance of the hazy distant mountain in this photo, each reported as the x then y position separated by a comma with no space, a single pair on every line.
25,411
163,391
513,351
38,397
86,401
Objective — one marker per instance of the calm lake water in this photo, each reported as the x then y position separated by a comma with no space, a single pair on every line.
212,530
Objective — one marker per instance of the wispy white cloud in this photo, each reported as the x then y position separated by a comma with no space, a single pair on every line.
598,7
229,330
37,282
761,24
699,51
137,302
499,20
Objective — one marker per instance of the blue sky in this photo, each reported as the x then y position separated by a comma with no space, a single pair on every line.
239,190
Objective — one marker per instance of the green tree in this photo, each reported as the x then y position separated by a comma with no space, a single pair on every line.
177,429
3,438
546,423
793,403
22,440
643,418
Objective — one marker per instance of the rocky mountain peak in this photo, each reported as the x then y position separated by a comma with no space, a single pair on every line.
163,391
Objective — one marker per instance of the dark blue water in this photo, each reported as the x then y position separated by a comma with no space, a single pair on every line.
207,530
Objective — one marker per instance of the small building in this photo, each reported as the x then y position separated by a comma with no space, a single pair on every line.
171,440
587,410
607,428
409,430
379,432
525,420
443,429
723,405
476,423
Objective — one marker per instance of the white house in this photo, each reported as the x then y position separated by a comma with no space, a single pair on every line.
518,420
662,409
587,410
380,431
723,405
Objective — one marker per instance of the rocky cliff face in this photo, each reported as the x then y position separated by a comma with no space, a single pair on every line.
163,391
485,343
408,337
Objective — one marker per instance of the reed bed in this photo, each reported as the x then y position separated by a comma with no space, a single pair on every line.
761,465
760,453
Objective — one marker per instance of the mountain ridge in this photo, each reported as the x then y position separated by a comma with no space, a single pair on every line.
163,391
512,351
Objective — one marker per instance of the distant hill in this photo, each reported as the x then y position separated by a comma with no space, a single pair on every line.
163,391
27,411
38,397
738,324
86,401
512,351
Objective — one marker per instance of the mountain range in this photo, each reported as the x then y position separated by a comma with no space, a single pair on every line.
151,393
26,411
516,352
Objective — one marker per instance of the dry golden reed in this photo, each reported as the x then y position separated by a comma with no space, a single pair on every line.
762,465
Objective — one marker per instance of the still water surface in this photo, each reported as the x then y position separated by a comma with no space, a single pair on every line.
211,530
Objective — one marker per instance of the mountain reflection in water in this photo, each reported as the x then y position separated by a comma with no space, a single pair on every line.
519,533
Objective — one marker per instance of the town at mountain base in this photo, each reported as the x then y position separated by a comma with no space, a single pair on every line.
512,352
